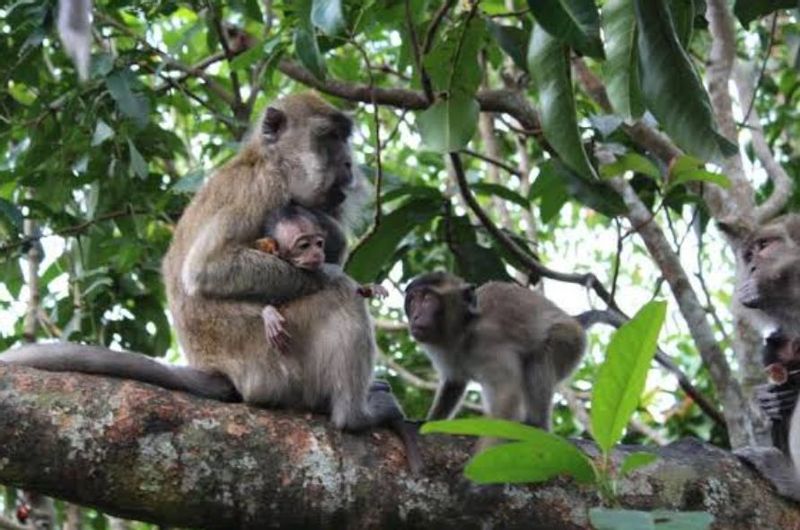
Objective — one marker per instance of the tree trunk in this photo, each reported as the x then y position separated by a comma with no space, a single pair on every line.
141,452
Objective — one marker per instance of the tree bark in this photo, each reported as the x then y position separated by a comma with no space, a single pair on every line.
140,452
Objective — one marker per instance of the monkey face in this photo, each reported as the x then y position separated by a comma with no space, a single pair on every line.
771,278
424,310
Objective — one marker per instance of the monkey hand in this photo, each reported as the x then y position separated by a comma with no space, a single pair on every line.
277,335
372,290
777,401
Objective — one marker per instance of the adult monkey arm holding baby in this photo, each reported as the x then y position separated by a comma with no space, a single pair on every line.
217,284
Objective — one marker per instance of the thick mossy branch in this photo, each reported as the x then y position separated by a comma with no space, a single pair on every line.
140,452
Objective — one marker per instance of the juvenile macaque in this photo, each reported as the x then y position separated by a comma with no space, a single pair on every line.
217,284
296,235
513,341
769,282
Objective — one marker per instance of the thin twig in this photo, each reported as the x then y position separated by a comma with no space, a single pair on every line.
427,89
511,169
763,68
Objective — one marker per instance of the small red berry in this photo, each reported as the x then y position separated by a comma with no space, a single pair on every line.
23,512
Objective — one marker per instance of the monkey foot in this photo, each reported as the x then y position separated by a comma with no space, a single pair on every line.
277,335
775,467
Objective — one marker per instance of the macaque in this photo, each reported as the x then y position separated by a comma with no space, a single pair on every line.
217,284
295,234
769,283
513,341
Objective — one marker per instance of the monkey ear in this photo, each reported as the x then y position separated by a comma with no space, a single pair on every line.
737,231
468,292
274,122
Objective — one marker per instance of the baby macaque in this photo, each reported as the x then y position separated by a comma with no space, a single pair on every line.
296,235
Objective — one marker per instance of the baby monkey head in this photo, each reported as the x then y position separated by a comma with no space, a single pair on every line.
299,236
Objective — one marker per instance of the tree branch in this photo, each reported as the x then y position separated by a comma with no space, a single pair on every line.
658,247
782,182
144,453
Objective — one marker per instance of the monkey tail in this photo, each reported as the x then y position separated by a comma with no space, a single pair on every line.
589,318
66,357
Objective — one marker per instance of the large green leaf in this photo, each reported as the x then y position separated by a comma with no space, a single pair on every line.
621,378
327,16
537,461
671,87
595,194
749,10
512,40
548,62
509,430
473,262
636,460
682,12
448,125
368,259
574,22
622,67
453,63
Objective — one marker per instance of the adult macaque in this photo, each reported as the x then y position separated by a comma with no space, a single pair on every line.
769,283
513,341
217,283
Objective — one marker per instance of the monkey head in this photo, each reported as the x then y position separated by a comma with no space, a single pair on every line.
310,141
769,280
295,235
438,305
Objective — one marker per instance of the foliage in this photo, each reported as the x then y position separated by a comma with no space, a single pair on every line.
95,174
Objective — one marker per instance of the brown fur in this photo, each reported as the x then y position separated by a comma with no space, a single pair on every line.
516,343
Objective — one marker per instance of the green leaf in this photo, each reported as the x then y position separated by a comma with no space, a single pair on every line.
529,462
553,191
574,22
327,16
134,105
688,169
682,12
368,259
102,132
448,125
595,194
513,41
138,163
749,10
190,182
509,430
622,67
608,519
12,214
548,62
306,47
631,162
636,460
453,63
473,262
489,188
621,378
671,87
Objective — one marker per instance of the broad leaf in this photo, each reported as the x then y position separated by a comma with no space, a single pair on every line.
622,67
687,169
682,12
553,192
448,125
671,87
368,259
593,193
488,188
574,22
631,162
536,461
621,378
327,16
749,10
636,460
548,62
306,47
509,430
12,214
453,63
513,41
132,104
